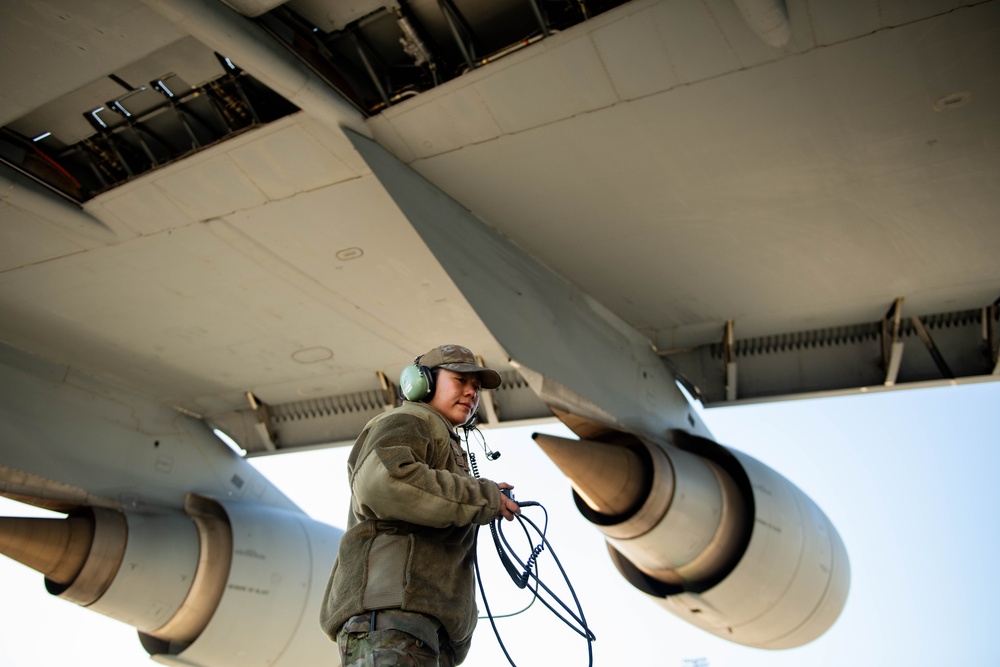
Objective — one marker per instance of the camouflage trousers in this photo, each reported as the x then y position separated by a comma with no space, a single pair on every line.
392,637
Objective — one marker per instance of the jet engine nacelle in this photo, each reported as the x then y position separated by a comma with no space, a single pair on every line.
715,536
223,583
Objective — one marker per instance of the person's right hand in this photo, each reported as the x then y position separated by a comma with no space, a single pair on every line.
508,508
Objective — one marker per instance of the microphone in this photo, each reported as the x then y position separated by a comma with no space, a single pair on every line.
490,454
470,427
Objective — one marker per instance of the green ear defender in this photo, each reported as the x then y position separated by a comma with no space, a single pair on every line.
416,382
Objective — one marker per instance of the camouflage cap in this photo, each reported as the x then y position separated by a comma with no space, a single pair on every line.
461,360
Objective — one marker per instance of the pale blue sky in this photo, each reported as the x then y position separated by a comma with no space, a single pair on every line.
909,478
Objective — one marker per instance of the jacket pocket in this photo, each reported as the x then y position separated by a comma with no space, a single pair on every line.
387,560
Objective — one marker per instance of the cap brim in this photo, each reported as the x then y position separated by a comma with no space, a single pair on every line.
488,377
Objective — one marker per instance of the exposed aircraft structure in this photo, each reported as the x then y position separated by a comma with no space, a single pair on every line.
248,216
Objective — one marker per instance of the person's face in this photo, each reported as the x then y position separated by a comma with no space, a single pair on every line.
456,395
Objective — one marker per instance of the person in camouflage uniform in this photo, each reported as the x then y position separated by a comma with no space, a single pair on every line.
401,591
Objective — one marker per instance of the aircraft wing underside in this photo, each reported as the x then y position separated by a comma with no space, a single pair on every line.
759,212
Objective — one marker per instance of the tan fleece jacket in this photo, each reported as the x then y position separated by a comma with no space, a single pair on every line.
411,529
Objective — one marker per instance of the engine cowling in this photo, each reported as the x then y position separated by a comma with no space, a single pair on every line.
715,536
221,583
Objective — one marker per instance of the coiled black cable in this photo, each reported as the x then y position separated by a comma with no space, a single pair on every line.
527,570
578,623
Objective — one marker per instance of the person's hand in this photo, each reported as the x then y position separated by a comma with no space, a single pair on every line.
508,508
